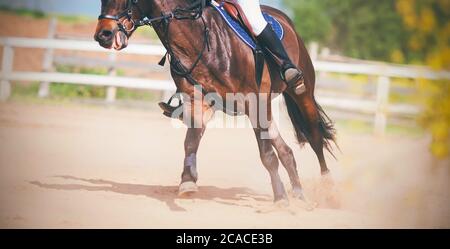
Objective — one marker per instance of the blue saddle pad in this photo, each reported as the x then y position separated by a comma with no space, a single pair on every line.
242,33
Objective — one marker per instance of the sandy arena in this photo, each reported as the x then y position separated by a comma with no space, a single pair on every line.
97,167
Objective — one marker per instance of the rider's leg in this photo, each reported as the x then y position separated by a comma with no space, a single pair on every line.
267,38
252,10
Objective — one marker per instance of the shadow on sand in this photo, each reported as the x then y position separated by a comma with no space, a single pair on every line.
166,194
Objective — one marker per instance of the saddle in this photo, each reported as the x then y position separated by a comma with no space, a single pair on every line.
236,12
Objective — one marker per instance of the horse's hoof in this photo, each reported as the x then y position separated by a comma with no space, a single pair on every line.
301,201
330,191
187,188
277,206
297,193
305,204
283,203
327,180
325,173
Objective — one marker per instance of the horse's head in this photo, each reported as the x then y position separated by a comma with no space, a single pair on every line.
117,22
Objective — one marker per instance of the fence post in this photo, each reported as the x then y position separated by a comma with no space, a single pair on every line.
47,65
382,102
314,51
111,91
7,67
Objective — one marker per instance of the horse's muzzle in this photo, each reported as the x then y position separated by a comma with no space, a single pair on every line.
112,39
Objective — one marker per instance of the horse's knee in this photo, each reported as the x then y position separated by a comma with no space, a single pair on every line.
285,151
270,160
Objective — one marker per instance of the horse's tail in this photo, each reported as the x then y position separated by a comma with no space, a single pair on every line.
301,124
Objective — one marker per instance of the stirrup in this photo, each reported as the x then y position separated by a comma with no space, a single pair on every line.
297,83
167,108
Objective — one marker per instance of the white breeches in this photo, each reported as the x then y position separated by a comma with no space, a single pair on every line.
252,10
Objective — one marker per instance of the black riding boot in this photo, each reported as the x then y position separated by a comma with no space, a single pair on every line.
289,72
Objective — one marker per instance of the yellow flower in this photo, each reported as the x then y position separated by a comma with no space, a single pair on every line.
445,54
397,56
434,60
427,20
405,8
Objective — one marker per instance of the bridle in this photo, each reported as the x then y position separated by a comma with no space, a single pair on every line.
128,14
193,12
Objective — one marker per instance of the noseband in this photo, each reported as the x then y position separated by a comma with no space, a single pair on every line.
128,13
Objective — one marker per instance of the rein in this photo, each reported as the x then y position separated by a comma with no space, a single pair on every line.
177,66
192,12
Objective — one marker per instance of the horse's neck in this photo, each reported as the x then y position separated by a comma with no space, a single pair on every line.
162,6
179,37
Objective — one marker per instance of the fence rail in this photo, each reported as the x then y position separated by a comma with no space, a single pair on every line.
79,45
95,80
380,107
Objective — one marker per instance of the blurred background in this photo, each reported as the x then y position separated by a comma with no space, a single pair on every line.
383,74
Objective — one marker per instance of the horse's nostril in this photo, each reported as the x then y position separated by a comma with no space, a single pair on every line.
106,34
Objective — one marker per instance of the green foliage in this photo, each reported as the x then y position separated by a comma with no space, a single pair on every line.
60,90
123,93
25,90
82,70
74,19
25,12
373,30
37,14
310,20
147,32
66,92
436,117
366,29
78,91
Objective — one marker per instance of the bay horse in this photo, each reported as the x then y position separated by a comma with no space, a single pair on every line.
204,51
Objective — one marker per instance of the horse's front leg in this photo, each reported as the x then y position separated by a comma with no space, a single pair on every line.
196,121
189,176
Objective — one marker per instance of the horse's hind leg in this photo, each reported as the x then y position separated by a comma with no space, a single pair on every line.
317,131
270,162
287,160
314,128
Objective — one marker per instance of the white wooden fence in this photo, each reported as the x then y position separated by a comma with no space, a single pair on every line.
380,107
7,74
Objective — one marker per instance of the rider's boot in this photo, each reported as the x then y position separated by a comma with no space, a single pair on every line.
289,72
